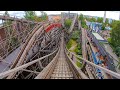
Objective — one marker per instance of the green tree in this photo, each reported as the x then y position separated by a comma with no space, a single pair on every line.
92,19
83,22
107,21
81,17
68,23
109,40
87,18
6,13
44,15
113,23
37,19
7,22
103,26
100,19
115,34
117,50
30,15
76,35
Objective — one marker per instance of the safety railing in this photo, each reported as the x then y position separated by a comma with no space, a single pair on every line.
78,74
110,60
73,23
107,71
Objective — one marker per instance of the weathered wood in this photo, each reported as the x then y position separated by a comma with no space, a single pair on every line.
117,75
62,70
30,71
15,19
6,73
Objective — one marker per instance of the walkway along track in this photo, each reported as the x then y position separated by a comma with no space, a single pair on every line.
61,67
62,70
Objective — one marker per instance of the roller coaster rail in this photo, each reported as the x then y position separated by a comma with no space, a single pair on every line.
4,74
43,53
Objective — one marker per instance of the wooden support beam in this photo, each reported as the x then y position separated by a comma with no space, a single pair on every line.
31,71
6,73
112,73
15,19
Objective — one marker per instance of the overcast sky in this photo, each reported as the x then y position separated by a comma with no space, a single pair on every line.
109,14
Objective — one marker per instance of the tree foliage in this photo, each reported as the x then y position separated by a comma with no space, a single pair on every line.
103,26
30,15
7,22
109,40
106,21
44,15
78,50
92,19
76,35
68,23
115,34
37,19
83,22
115,37
117,50
113,23
100,19
6,13
69,44
81,17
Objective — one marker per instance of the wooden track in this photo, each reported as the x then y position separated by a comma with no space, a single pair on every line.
62,70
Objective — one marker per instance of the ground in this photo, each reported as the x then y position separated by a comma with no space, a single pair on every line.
72,46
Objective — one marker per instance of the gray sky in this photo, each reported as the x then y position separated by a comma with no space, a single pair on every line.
109,14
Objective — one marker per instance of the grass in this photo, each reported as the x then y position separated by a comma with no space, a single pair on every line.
78,63
74,46
71,43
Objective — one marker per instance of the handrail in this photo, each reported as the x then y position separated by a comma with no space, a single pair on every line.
72,24
104,49
45,72
82,75
6,73
101,68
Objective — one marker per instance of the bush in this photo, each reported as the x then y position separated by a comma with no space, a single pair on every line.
109,40
76,35
68,23
78,50
69,44
103,26
79,64
117,50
